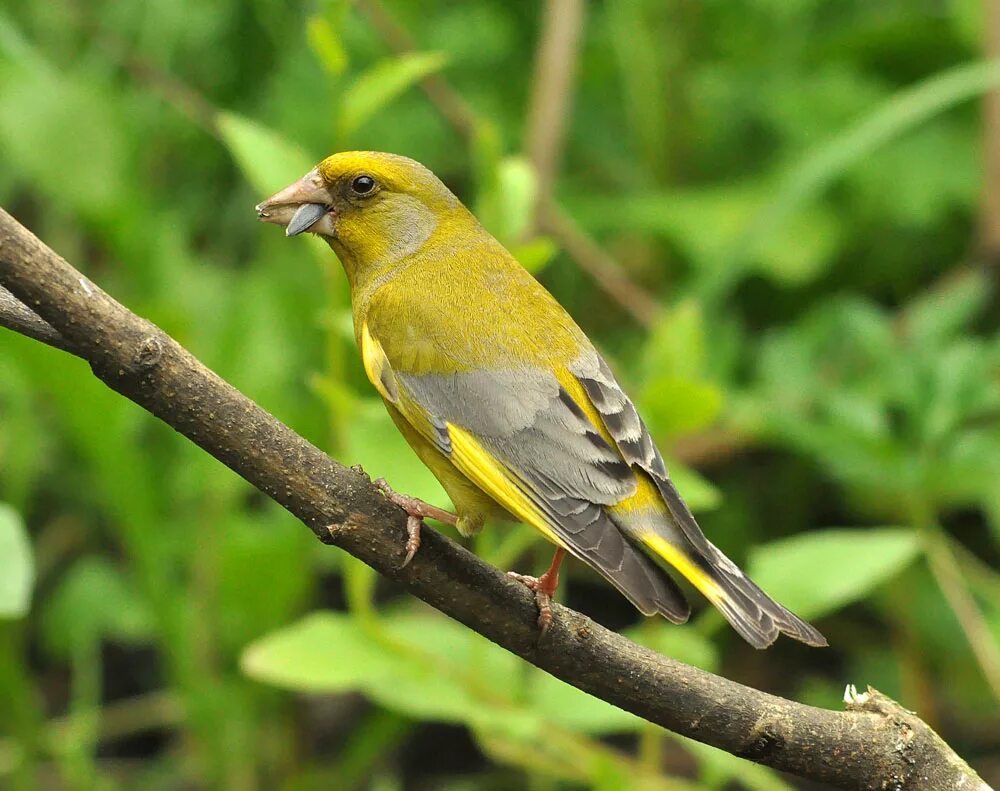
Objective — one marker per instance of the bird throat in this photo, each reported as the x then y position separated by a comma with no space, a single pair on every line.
385,238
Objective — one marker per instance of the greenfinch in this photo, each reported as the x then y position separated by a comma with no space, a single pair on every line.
503,397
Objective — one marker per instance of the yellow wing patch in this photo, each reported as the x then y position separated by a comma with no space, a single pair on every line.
476,464
646,494
377,367
680,561
647,497
467,454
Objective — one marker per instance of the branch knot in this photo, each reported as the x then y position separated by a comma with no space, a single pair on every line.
149,353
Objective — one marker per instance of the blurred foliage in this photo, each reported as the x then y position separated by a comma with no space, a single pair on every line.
797,184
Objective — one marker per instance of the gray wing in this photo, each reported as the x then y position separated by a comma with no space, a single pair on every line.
529,423
634,441
753,613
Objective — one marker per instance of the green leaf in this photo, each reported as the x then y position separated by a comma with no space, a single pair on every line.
25,439
382,83
246,543
677,398
17,567
565,705
921,177
818,168
946,310
473,680
327,45
94,600
420,665
586,763
536,254
819,572
706,223
323,652
518,190
77,118
676,344
698,492
802,251
268,160
674,405
719,769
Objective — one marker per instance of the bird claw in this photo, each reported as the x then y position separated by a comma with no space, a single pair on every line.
544,587
416,510
413,525
543,590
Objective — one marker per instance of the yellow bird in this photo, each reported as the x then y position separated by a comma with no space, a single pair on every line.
504,398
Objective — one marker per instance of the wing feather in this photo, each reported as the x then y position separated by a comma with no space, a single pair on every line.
543,461
634,441
753,613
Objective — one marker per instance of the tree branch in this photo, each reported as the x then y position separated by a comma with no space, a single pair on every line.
552,89
875,744
989,215
442,95
15,315
598,263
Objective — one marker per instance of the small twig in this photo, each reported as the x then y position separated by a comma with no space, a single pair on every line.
711,446
604,269
443,96
182,97
975,569
552,89
177,94
15,315
989,219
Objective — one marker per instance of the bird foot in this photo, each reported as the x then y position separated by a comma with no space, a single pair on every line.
543,598
416,510
544,588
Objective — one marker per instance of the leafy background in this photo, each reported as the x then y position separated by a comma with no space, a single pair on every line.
787,206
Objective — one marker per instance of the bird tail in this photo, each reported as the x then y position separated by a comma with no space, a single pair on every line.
757,617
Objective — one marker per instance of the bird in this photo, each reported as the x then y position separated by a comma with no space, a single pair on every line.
501,394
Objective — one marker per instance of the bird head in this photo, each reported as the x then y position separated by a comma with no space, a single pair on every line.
373,208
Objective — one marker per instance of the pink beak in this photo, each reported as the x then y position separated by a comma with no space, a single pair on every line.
301,206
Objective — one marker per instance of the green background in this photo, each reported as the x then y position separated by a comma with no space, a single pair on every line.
795,188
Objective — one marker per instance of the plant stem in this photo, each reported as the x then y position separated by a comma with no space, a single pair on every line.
944,566
552,89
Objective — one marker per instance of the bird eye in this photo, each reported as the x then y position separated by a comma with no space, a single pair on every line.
362,185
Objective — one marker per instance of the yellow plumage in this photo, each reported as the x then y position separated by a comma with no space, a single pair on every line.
501,394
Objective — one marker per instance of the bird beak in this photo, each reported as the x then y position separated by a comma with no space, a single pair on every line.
301,206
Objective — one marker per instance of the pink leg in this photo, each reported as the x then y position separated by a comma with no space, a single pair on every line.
544,588
416,510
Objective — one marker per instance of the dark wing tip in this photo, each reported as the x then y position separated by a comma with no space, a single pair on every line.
650,589
757,617
804,632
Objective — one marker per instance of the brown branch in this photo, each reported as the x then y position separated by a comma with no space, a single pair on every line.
597,263
442,95
875,744
16,316
552,89
555,67
989,219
